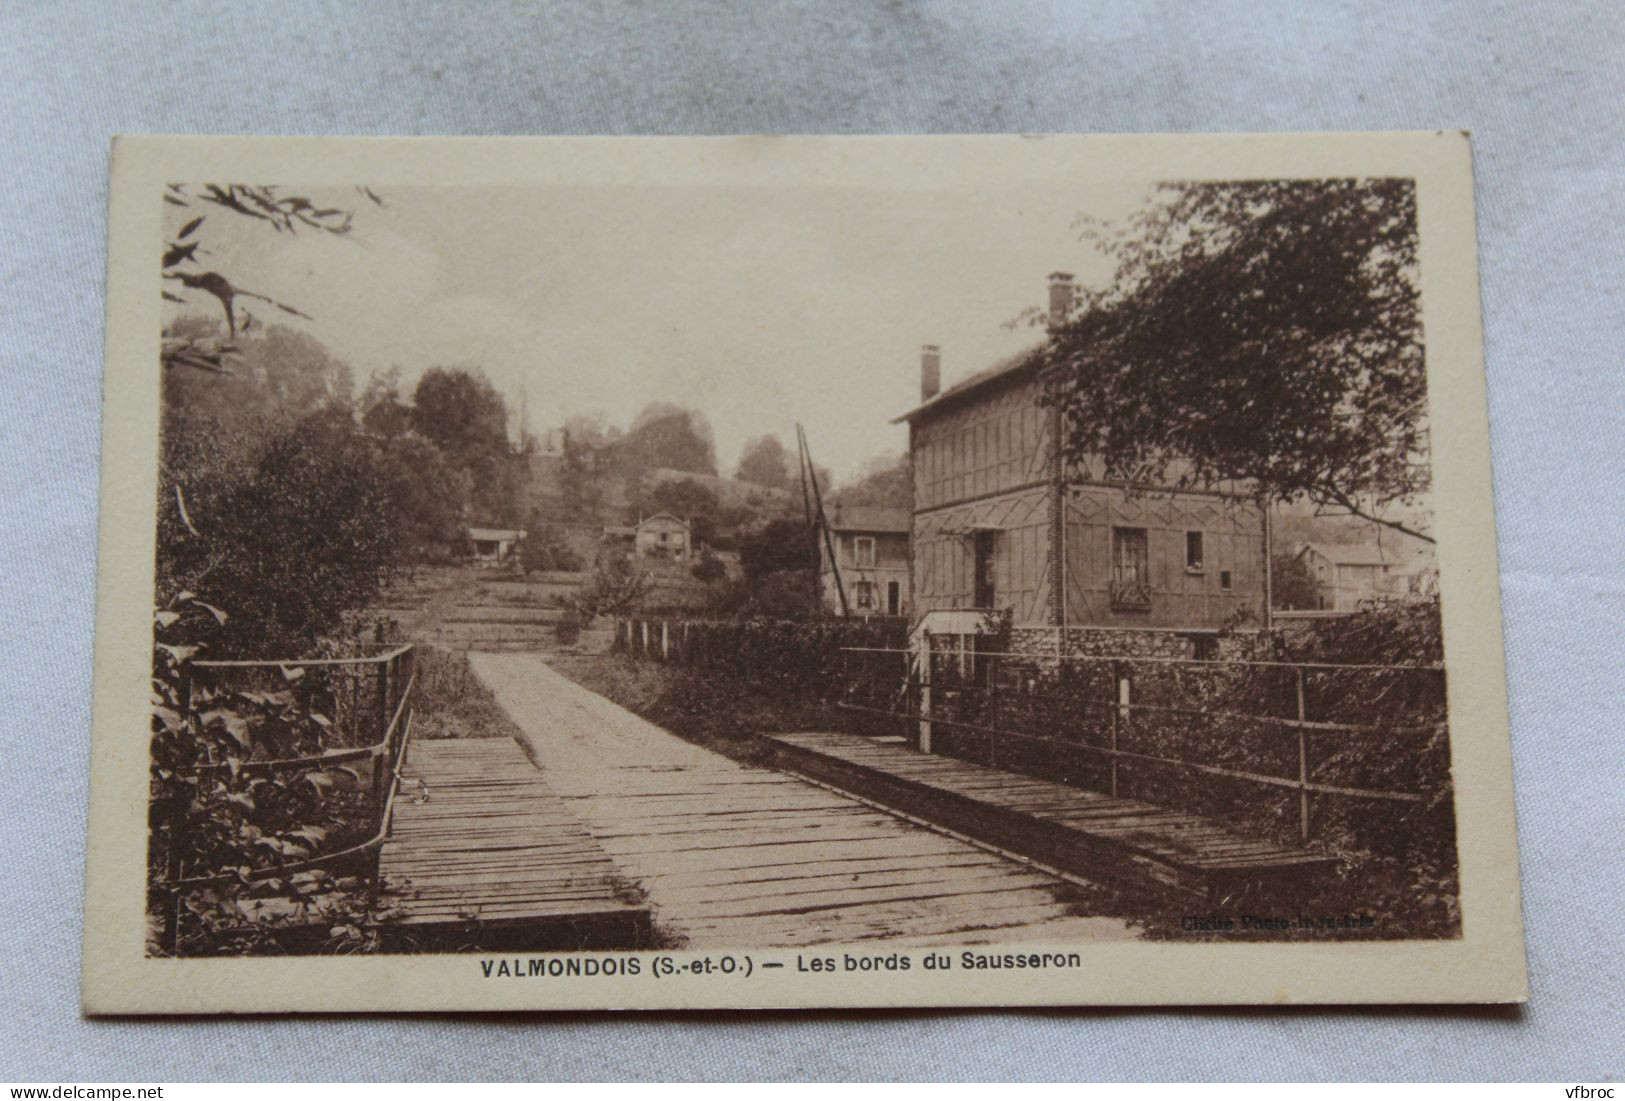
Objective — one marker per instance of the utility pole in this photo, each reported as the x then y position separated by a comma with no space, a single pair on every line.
811,475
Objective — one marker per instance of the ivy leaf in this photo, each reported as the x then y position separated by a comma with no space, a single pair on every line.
166,618
189,227
291,673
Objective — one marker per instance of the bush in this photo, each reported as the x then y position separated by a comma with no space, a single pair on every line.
709,568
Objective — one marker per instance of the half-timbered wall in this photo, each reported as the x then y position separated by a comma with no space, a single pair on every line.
985,465
1232,532
989,445
945,555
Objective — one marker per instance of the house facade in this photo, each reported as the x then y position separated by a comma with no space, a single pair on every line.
663,536
1001,524
871,560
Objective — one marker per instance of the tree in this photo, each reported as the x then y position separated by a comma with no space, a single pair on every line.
306,535
777,546
709,568
766,462
886,480
383,412
425,492
670,437
1262,331
465,416
1291,585
460,411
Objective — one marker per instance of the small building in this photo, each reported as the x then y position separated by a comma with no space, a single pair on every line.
664,536
494,545
1347,574
871,557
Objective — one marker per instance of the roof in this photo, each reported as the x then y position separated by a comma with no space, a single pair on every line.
879,518
1005,369
663,516
495,534
1348,554
620,529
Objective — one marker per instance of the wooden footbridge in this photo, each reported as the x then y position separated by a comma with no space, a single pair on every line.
483,854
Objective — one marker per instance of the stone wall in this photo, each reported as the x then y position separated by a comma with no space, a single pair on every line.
1127,642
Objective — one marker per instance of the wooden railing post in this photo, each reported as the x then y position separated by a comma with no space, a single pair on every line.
665,640
1120,691
1303,759
925,691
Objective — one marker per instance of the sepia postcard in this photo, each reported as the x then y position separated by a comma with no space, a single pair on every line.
628,573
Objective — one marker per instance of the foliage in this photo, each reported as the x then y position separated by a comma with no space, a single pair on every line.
1292,586
219,817
709,567
185,275
540,551
1266,331
383,412
765,461
666,436
424,493
464,415
887,480
302,536
777,546
615,588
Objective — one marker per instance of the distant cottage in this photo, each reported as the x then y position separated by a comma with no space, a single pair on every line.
663,536
494,545
999,525
871,556
1345,575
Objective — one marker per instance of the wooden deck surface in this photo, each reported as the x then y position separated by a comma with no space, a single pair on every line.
733,856
1083,831
482,849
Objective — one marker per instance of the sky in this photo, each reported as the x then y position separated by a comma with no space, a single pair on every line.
758,305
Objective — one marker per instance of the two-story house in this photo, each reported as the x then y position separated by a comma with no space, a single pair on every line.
871,557
1001,524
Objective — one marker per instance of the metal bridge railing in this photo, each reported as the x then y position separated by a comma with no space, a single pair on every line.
975,692
372,700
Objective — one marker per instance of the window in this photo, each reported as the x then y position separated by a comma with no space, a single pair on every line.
985,594
1224,580
863,551
894,598
1193,551
1131,571
865,596
1205,647
1129,557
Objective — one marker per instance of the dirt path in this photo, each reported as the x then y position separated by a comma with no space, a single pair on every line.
733,856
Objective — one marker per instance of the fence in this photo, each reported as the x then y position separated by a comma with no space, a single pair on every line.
783,653
1043,712
365,709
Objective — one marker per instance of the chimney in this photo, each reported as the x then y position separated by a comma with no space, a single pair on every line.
930,371
1062,294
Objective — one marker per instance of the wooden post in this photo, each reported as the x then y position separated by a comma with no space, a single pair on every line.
380,760
665,640
644,647
1303,761
925,692
1120,690
992,712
